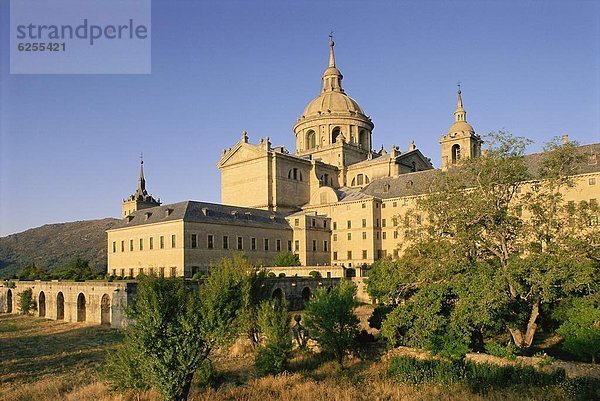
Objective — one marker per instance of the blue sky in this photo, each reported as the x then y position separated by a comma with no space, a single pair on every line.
70,144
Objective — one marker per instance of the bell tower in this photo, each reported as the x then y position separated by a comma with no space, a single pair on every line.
461,141
140,199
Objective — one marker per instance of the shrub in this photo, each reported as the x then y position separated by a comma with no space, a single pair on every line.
273,322
378,316
314,274
581,330
286,259
26,302
509,351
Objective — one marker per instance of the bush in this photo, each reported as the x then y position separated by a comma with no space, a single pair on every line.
378,316
273,322
314,274
581,330
509,351
286,259
26,302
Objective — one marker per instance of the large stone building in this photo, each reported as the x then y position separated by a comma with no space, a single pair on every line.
334,201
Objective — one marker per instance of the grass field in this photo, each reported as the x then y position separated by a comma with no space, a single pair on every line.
48,360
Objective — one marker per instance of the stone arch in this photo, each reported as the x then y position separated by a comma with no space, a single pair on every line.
350,272
60,306
9,301
306,294
336,135
277,294
311,140
455,153
363,139
42,304
105,309
81,307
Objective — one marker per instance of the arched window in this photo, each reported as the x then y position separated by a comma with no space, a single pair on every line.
295,174
60,306
81,312
105,309
363,139
335,134
311,140
359,179
42,304
455,153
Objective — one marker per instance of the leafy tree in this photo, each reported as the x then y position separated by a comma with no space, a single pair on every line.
33,272
314,274
330,319
77,269
581,330
26,302
286,259
274,323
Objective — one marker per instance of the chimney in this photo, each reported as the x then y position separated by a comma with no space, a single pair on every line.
168,212
565,139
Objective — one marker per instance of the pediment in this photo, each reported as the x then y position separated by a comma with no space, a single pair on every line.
240,153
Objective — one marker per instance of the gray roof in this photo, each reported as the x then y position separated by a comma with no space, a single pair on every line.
419,183
204,212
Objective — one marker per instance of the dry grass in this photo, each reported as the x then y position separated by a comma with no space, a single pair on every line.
45,360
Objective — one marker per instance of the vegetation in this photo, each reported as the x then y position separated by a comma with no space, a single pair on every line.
26,302
495,259
330,320
77,269
273,354
286,259
581,329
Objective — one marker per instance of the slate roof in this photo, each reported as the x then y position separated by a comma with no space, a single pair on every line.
204,212
419,183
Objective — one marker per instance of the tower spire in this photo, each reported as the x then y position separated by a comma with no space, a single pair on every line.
331,54
460,114
332,77
141,189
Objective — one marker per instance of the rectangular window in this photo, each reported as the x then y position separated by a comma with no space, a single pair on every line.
395,234
278,245
162,271
314,245
394,204
335,256
151,243
240,243
383,235
364,223
114,246
194,240
151,271
225,242
314,223
364,235
394,221
122,272
114,272
161,242
141,244
266,244
210,241
131,245
325,246
297,246
364,254
324,223
296,222
377,234
364,205
376,222
395,253
289,246
173,271
335,237
383,223
173,241
349,255
592,181
253,243
349,224
335,225
130,272
141,270
122,246
349,236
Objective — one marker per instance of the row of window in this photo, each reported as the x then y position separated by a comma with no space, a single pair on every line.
364,235
239,244
141,244
150,271
381,253
313,223
383,222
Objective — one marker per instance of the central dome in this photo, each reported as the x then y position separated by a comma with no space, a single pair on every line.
332,102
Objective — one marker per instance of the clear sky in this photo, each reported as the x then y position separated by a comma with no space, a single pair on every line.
70,144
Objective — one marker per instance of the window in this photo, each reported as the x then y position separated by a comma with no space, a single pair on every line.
324,223
253,244
383,235
162,271
314,245
194,240
394,221
376,222
210,241
349,224
130,272
278,245
151,243
364,223
240,243
114,247
122,246
359,179
592,181
151,271
296,222
364,255
364,205
455,153
131,245
364,235
395,234
173,241
266,244
325,246
289,248
141,244
349,255
314,223
383,205
335,237
383,223
335,225
141,270
349,236
122,272
173,271
114,273
335,256
394,204
297,245
377,234
225,242
162,242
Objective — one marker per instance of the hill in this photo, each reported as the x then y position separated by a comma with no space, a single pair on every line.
54,245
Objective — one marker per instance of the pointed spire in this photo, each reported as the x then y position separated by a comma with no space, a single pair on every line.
141,189
332,77
460,114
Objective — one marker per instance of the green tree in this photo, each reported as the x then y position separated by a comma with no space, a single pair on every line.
286,259
33,272
26,302
581,330
330,319
76,269
276,344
